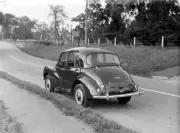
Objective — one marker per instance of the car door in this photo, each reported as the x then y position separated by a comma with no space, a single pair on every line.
60,68
72,70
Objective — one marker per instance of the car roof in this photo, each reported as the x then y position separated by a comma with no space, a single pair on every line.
89,50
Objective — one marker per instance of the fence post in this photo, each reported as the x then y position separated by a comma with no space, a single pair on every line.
99,40
162,43
88,41
134,41
115,41
72,40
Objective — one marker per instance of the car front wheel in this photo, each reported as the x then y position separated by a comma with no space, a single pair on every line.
124,100
80,95
49,83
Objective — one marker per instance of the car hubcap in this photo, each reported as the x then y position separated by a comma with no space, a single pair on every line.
79,96
48,84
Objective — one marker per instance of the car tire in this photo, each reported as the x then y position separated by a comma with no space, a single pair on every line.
80,95
50,83
124,100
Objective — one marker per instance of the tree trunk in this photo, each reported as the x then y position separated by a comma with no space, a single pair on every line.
55,28
78,41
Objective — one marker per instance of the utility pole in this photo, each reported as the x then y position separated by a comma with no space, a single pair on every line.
71,32
86,17
25,31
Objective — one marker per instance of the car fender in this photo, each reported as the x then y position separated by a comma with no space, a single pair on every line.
49,71
90,84
52,72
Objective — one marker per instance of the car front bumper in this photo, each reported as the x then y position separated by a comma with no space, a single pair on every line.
107,96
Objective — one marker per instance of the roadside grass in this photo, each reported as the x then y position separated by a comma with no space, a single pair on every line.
141,60
145,61
8,124
69,108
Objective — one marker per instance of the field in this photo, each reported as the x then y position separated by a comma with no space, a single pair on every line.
140,60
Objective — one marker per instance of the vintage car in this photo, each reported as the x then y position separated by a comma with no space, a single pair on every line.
91,73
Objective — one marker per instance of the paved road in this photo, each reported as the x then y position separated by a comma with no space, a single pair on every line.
35,114
157,111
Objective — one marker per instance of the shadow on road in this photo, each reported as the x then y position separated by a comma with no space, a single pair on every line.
100,104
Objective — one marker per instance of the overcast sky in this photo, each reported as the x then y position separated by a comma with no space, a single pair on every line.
38,9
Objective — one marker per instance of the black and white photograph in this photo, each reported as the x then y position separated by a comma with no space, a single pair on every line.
90,66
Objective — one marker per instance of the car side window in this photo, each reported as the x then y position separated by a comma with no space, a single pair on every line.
71,59
62,59
77,62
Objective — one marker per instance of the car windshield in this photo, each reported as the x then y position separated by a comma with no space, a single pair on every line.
102,59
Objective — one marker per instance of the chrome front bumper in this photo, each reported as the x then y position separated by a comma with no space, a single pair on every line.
107,96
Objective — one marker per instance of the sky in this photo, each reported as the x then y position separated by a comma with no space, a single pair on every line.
38,9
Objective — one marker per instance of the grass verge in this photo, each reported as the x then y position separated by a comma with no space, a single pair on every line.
8,124
86,115
141,60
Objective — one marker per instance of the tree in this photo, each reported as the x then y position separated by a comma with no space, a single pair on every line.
57,13
1,18
24,28
94,20
154,20
42,28
81,19
8,23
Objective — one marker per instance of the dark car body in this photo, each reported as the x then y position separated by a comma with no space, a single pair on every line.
104,81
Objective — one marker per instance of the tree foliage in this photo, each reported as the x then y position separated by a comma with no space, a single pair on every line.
57,13
148,20
154,20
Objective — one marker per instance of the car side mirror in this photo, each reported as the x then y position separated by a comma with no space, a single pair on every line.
78,69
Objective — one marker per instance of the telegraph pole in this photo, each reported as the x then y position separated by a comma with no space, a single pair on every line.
86,18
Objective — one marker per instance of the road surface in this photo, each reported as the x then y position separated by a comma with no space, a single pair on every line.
37,115
157,111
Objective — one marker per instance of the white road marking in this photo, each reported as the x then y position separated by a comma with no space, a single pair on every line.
169,94
27,63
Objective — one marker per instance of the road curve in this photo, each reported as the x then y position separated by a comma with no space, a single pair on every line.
157,111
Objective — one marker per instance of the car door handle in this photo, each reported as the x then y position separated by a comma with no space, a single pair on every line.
76,70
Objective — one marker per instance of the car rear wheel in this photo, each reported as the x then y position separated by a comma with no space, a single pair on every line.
80,95
49,83
124,100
